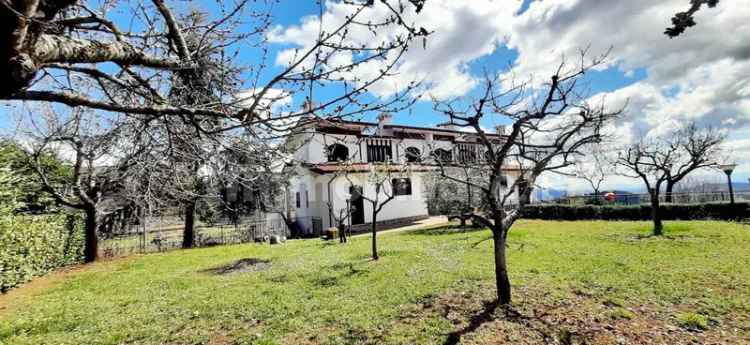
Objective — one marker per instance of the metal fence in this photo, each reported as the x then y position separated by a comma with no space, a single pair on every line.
644,198
163,233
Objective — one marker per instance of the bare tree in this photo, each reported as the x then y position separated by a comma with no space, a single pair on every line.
457,200
103,156
548,129
594,168
665,161
180,71
68,53
340,216
650,162
683,20
698,148
380,178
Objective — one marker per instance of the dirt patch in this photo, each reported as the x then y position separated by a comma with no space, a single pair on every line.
246,265
539,318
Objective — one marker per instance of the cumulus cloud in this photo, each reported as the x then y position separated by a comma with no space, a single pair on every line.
272,101
701,76
463,32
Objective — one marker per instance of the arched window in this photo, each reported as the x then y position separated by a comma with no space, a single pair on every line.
442,155
401,186
337,153
413,155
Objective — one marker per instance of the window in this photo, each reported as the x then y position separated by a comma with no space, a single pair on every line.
504,181
467,154
299,204
413,155
379,150
337,153
442,155
401,186
307,199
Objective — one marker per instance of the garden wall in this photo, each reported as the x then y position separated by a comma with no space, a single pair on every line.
710,211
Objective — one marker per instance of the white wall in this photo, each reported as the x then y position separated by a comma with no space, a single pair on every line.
402,206
316,185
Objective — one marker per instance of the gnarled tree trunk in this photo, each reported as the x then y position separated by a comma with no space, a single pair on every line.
188,236
656,215
91,241
668,198
501,267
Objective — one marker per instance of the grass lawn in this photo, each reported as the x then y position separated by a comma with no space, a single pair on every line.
574,282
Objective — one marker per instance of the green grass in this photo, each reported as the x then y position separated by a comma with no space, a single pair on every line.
315,292
693,321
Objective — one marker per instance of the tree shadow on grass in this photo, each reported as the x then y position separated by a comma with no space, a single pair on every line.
485,315
447,230
341,271
240,266
651,238
493,311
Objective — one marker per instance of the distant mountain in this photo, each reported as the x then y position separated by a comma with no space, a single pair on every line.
550,194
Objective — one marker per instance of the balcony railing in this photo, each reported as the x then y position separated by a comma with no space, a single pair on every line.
379,150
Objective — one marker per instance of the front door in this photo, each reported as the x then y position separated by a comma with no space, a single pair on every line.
358,205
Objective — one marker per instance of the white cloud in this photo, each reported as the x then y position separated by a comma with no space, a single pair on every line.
701,76
273,100
463,32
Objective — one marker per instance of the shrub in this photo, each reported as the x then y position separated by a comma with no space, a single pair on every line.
33,245
715,211
693,321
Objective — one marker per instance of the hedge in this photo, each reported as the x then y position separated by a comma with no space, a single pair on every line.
33,245
714,211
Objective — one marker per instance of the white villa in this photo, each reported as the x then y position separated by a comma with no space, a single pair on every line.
321,177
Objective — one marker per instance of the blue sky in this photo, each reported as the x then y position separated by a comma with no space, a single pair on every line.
700,76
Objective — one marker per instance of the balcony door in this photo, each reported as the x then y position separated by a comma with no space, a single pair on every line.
358,205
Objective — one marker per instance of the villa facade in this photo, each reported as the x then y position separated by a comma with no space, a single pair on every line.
334,161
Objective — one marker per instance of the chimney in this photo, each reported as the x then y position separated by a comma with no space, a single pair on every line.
384,119
500,129
307,106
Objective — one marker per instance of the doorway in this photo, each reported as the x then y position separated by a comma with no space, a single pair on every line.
358,205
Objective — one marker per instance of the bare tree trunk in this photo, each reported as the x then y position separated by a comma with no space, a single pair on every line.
374,236
188,236
91,243
656,215
670,187
501,267
342,232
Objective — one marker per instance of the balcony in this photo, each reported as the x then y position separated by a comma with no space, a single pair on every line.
379,150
